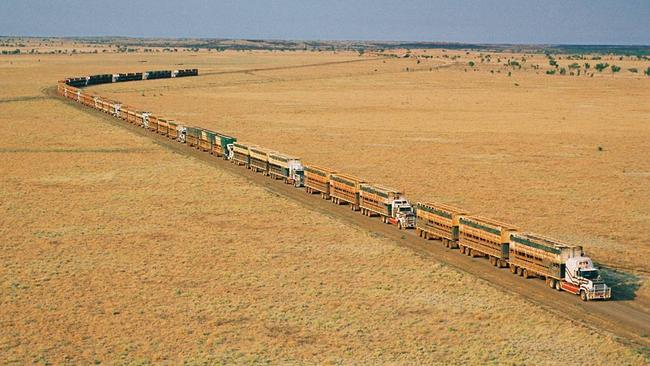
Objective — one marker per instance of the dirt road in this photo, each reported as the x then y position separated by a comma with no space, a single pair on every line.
623,318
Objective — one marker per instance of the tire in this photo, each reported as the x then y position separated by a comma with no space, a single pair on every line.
583,295
558,285
525,273
399,225
551,283
513,269
520,271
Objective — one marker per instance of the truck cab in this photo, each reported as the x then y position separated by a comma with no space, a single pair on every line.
402,214
582,278
297,174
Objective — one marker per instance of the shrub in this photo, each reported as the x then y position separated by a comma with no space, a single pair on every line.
562,71
552,63
471,63
587,66
600,67
633,69
574,66
550,72
616,68
647,71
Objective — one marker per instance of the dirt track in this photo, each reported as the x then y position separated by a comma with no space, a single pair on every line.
621,317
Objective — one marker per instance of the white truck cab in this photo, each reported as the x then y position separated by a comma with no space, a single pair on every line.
402,214
582,278
296,173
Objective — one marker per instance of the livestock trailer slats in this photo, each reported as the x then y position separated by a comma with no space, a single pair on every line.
541,255
345,188
193,136
439,220
377,198
259,159
485,236
317,179
241,153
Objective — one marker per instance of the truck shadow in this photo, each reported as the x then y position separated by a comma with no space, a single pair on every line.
624,285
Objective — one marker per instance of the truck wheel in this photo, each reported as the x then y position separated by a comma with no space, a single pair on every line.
461,249
558,285
519,271
399,225
525,273
583,295
513,269
551,283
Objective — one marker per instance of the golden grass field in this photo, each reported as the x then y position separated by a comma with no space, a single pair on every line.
565,156
119,251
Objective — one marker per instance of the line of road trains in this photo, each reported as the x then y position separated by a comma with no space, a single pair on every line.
563,266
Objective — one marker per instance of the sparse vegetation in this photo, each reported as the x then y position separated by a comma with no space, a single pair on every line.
601,66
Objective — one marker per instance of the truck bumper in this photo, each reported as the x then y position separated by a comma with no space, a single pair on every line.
601,295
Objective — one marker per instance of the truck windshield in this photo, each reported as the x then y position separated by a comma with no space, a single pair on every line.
405,209
591,274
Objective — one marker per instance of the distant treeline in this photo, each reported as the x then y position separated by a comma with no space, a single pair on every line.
362,46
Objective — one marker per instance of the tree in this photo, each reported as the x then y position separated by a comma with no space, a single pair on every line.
574,66
616,68
552,62
562,71
471,63
587,66
647,71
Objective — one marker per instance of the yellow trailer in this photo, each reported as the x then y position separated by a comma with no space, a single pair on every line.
163,126
172,130
317,180
259,159
206,140
480,236
241,153
439,221
345,189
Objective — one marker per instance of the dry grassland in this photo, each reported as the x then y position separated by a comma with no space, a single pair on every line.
117,251
561,155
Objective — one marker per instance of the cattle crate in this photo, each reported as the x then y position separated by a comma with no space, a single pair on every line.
259,159
206,140
87,99
163,126
152,123
480,236
220,144
241,153
439,221
317,180
193,136
376,199
540,256
345,189
172,129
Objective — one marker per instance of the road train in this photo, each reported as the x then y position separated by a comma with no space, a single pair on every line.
563,266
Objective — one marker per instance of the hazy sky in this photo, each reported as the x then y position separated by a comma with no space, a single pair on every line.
486,21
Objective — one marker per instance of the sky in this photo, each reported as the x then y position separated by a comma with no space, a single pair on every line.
625,22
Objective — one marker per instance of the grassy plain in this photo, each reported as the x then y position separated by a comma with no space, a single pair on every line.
560,155
116,250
